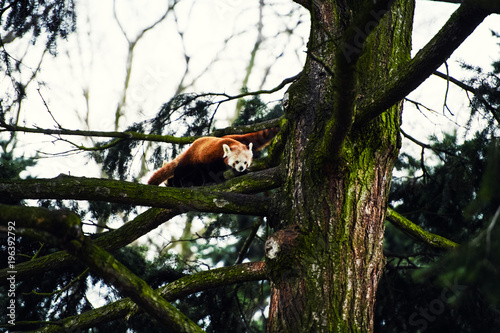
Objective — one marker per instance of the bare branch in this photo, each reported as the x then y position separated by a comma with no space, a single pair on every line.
445,102
428,146
130,57
471,89
252,93
243,251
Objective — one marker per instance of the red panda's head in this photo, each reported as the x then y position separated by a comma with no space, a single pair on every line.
238,157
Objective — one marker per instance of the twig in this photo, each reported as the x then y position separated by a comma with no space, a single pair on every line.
48,109
428,146
445,103
248,241
63,289
473,91
251,93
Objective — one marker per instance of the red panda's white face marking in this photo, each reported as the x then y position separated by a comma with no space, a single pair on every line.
238,158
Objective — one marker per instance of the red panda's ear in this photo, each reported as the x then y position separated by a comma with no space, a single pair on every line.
227,150
250,146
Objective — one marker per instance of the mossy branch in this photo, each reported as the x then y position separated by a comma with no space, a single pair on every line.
102,134
417,233
129,135
95,189
131,285
459,26
65,229
252,182
182,287
109,241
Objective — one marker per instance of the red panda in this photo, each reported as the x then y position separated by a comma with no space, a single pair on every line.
209,157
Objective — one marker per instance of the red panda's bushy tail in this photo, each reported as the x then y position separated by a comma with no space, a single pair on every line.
259,139
162,174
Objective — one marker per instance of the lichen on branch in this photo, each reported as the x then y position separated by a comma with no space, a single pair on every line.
417,233
185,199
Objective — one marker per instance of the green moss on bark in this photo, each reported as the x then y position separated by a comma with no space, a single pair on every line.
337,176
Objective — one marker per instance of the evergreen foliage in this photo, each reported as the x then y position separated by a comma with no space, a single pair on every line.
454,193
53,19
255,110
11,167
447,200
485,103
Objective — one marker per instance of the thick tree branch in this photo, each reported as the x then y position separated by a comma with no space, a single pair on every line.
489,5
450,1
184,199
60,225
182,287
346,57
251,183
65,229
460,25
109,241
131,285
417,233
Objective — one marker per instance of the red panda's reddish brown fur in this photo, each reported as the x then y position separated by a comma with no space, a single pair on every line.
203,151
209,150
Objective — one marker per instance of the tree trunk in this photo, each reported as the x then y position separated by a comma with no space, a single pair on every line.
326,258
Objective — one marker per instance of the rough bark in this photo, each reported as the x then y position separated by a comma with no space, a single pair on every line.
326,259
